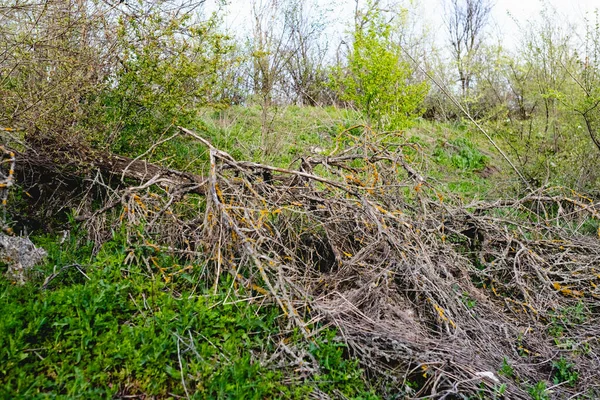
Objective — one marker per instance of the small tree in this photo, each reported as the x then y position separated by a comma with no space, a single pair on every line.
377,80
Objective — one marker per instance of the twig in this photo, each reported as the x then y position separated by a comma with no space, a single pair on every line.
51,277
187,394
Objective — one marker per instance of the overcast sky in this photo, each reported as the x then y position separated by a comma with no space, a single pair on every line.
430,12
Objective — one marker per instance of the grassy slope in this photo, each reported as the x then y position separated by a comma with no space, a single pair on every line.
126,331
455,156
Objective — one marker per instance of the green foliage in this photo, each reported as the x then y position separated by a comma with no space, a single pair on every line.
468,301
95,341
119,331
590,226
564,371
163,78
461,154
114,76
554,90
376,80
300,130
337,372
49,66
539,391
562,320
498,392
506,369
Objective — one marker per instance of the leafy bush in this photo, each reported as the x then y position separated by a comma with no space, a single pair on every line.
164,77
376,80
113,76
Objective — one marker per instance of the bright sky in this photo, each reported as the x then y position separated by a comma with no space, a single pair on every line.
505,13
431,12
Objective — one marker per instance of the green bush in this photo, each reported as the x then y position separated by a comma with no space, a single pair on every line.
163,79
376,79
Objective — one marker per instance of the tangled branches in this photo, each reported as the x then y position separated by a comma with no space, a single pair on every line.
432,295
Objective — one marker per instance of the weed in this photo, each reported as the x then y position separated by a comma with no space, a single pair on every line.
506,369
500,390
539,391
468,301
461,154
497,392
564,319
523,351
564,372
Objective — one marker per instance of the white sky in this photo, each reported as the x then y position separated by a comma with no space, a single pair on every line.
431,13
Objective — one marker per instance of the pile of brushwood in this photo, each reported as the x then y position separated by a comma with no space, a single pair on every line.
436,298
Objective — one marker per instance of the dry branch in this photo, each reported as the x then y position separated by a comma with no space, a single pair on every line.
414,283
421,287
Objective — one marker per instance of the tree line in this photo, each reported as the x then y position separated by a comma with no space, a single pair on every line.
119,75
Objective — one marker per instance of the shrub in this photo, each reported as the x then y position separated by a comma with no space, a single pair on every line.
376,79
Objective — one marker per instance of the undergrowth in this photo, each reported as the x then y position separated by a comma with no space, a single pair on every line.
114,330
125,320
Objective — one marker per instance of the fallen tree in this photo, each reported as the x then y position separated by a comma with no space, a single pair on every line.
59,177
432,295
76,161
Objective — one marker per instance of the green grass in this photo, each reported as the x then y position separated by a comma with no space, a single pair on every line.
459,160
125,332
277,137
452,155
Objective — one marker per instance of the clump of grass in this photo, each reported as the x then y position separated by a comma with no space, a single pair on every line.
539,391
461,154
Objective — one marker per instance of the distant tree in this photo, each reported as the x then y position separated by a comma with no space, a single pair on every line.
586,73
304,71
466,21
552,125
270,36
